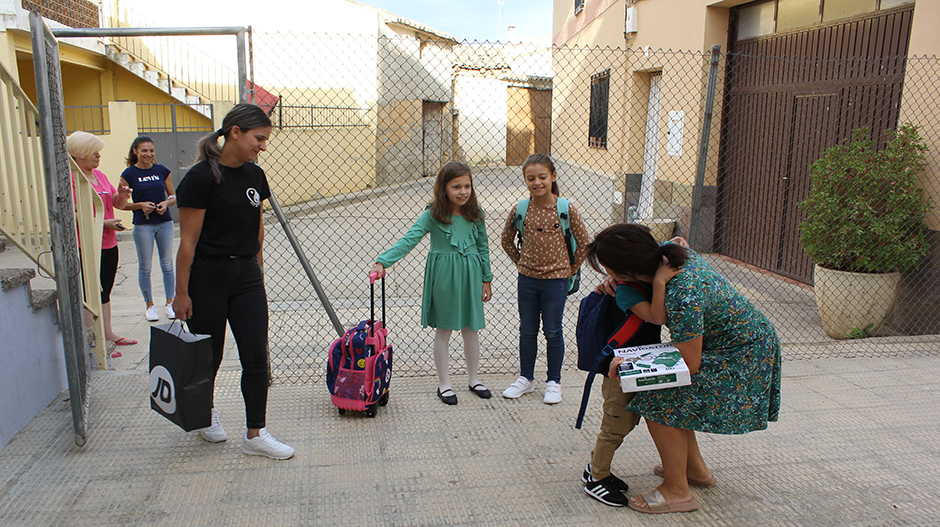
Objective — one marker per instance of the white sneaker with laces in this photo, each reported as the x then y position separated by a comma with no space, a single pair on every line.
519,388
170,314
266,445
214,433
152,314
552,393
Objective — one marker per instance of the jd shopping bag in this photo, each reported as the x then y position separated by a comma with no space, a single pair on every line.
180,375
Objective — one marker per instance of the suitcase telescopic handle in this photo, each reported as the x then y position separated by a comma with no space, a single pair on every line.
372,278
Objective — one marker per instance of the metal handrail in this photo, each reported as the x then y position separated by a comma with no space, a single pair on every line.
25,217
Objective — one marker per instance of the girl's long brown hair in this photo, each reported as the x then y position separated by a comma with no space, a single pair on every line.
441,207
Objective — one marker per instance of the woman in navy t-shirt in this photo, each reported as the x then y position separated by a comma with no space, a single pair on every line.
152,195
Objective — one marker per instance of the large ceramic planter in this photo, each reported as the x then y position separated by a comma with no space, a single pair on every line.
849,301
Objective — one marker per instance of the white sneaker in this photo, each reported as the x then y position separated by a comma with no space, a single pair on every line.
170,314
214,433
266,445
152,314
552,393
518,388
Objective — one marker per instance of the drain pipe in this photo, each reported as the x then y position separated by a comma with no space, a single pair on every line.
703,148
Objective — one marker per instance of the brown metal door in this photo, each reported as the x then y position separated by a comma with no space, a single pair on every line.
787,99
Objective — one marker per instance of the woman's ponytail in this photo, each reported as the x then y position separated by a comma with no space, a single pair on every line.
209,150
675,253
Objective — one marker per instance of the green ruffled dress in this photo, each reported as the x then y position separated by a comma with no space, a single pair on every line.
458,264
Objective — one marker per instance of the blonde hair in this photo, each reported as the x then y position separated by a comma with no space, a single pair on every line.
83,144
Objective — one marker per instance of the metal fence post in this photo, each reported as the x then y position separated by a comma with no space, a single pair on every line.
703,147
306,265
242,73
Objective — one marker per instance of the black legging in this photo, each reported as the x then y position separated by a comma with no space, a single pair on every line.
109,265
224,289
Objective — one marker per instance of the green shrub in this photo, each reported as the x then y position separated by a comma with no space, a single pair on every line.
865,212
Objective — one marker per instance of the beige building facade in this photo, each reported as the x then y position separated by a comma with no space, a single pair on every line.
664,56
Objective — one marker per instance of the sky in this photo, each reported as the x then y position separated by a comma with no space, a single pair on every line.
476,19
472,20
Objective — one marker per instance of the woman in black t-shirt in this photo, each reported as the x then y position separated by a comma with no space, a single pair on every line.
219,278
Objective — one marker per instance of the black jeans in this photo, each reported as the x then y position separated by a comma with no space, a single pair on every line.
224,289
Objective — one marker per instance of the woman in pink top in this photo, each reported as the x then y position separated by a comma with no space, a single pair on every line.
85,150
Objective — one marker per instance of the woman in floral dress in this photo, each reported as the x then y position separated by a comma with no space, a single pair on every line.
730,347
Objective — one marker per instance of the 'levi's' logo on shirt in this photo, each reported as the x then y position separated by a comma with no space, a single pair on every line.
149,178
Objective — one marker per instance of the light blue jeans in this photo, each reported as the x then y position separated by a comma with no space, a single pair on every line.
144,236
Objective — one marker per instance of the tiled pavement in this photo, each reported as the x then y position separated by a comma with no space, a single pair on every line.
856,444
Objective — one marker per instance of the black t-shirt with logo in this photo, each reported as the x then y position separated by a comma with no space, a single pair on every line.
233,216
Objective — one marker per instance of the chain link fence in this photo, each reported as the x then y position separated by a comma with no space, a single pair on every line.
364,123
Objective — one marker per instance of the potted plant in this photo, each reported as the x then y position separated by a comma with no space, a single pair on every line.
864,226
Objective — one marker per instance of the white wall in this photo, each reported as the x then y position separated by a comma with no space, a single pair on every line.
481,105
32,361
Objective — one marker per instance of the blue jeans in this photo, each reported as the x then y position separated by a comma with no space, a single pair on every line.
545,298
144,236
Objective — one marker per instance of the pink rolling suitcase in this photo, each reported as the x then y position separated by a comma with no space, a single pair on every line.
360,363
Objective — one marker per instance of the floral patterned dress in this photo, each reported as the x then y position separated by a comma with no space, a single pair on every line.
737,387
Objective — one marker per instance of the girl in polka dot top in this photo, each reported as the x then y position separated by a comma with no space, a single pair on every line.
544,268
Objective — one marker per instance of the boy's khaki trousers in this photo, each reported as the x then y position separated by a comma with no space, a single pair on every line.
616,423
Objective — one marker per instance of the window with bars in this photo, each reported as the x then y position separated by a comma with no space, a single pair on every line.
578,6
597,126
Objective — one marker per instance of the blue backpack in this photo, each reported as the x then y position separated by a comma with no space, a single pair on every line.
603,327
574,282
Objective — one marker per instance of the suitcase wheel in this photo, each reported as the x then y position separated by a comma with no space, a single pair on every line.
384,399
341,411
371,410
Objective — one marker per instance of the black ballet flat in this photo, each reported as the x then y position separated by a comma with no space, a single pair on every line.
448,399
480,391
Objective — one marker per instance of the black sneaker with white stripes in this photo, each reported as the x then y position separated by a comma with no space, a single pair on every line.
606,491
620,484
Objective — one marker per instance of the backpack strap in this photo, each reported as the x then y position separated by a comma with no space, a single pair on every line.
521,208
565,221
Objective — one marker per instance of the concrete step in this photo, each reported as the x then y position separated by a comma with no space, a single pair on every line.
137,68
11,278
152,77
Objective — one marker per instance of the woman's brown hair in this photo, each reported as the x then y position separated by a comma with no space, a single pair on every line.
131,158
629,249
441,208
246,117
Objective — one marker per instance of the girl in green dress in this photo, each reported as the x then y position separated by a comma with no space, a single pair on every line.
730,347
457,274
